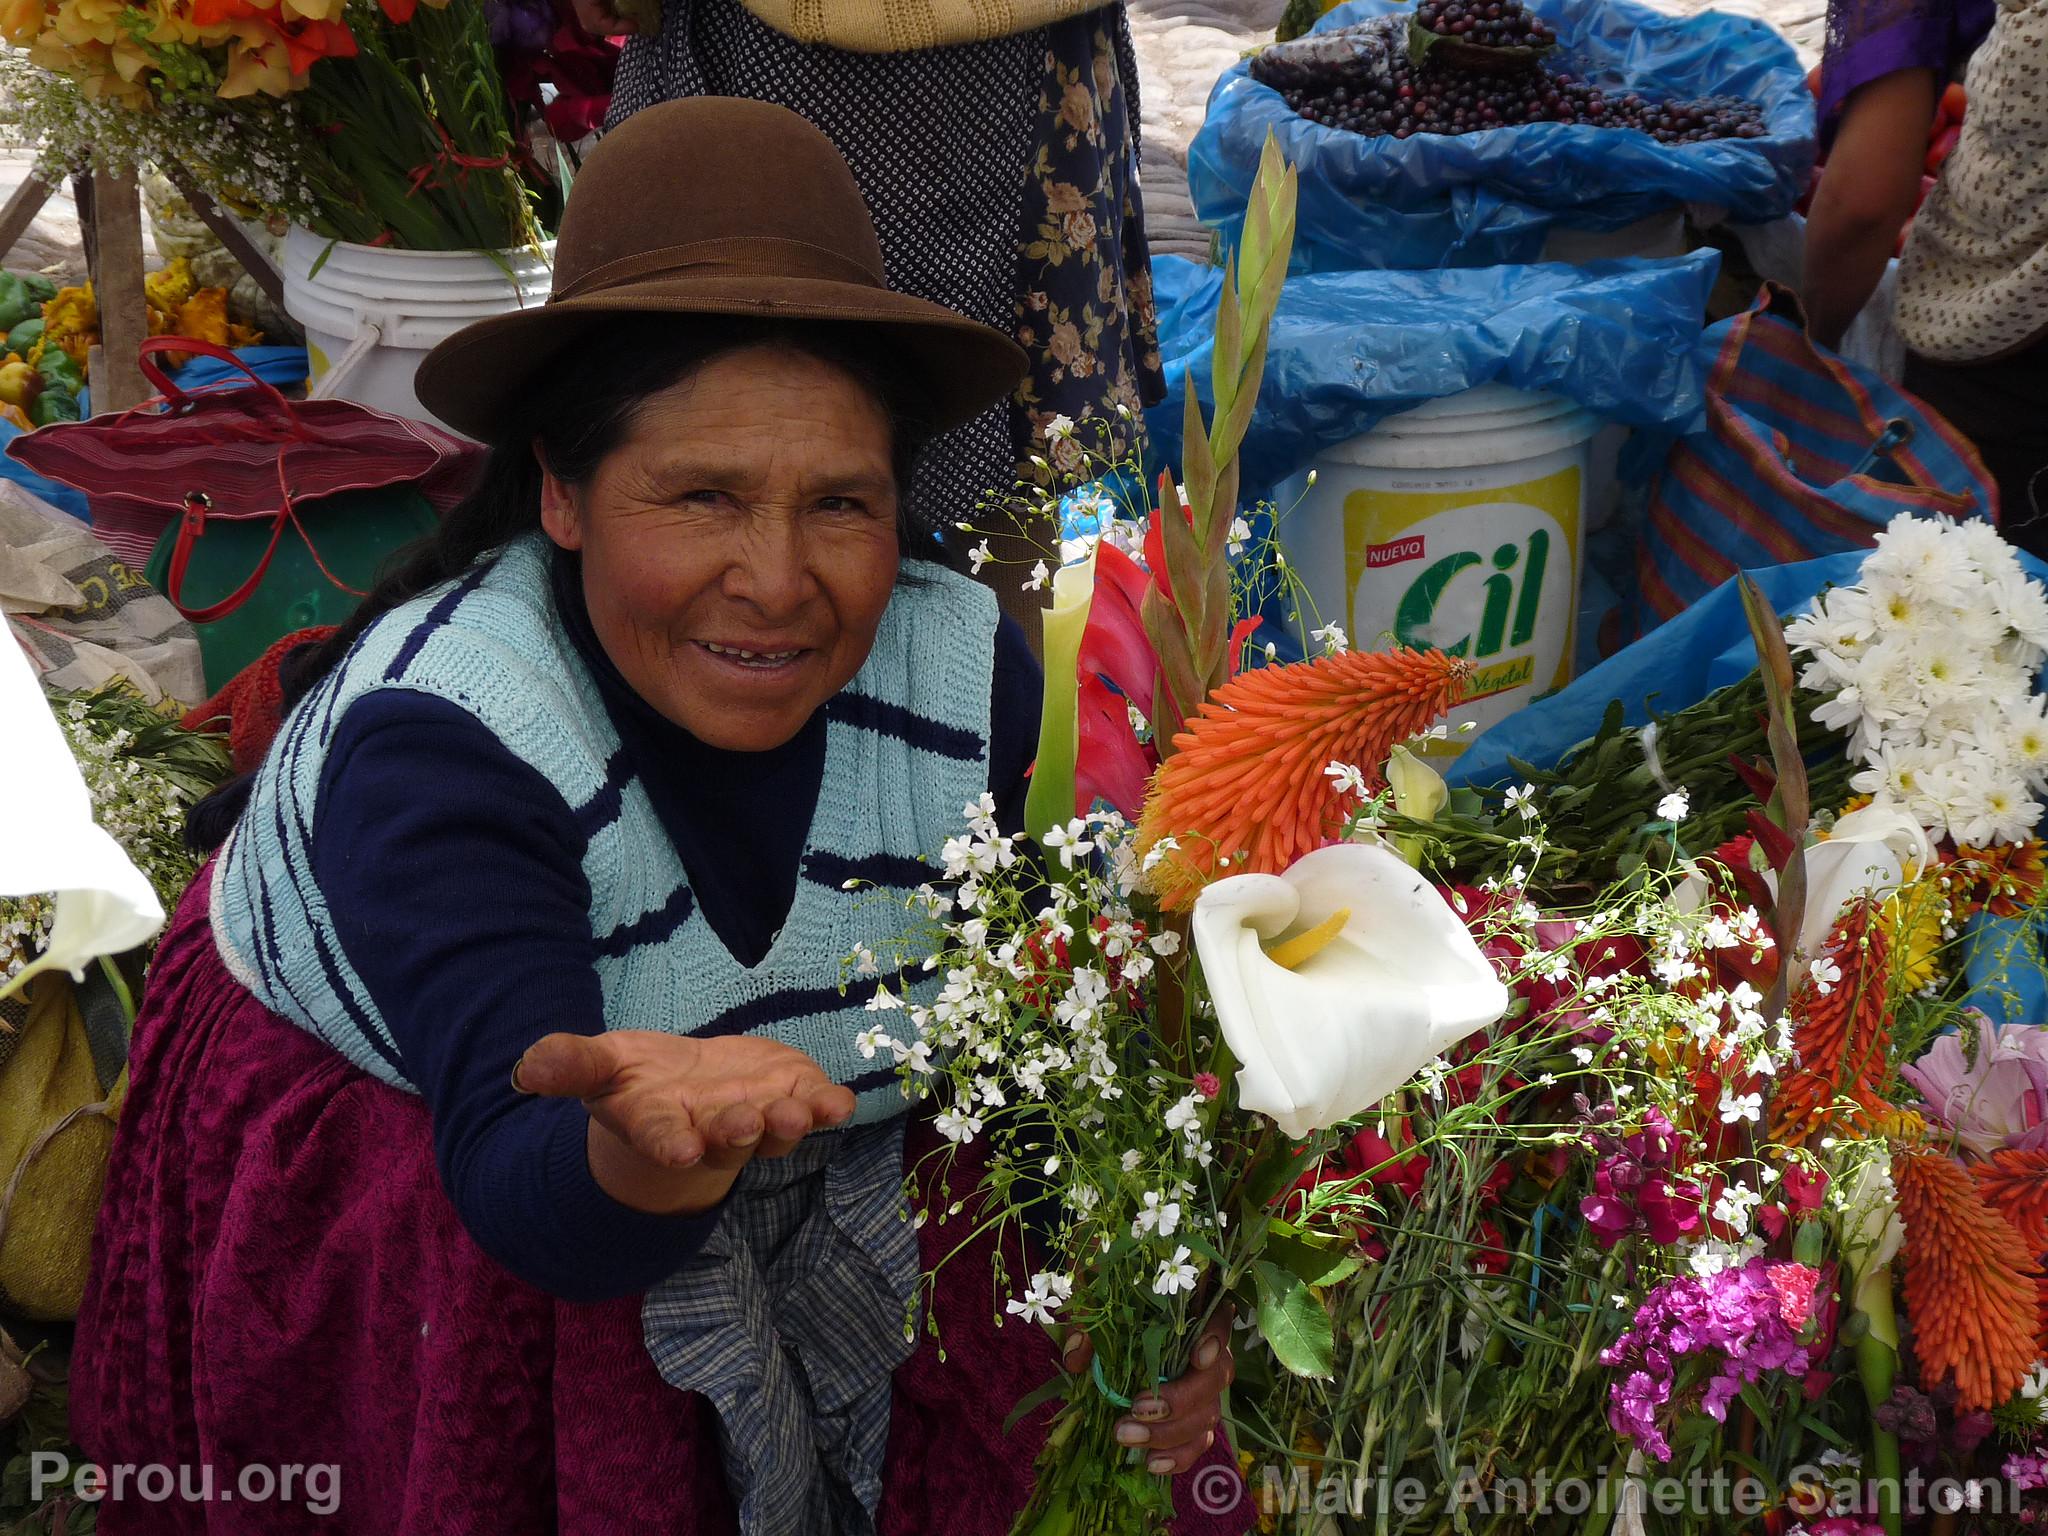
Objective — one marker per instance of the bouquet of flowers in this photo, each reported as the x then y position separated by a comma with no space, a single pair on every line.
382,122
1557,1144
1789,1234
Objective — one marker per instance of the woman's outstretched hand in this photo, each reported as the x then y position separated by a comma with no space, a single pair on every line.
1176,1424
674,1120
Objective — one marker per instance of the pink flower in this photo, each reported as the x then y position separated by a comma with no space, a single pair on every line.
2025,1472
1996,1098
1208,1085
1793,1284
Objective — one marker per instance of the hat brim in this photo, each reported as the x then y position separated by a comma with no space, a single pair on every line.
474,381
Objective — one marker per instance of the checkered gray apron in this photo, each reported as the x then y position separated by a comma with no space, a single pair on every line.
790,1320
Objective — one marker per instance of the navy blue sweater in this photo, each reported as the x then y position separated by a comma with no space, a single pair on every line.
454,873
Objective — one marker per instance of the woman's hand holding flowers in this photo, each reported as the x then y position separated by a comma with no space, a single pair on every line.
674,1120
1176,1424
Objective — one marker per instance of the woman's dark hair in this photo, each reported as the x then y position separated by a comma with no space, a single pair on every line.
577,413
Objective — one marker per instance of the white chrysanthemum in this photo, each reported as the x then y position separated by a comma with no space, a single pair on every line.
2025,726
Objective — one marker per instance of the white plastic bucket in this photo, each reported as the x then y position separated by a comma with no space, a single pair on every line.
371,314
1456,524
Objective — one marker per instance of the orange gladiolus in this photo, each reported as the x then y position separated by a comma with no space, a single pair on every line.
1247,779
1842,1036
1971,1286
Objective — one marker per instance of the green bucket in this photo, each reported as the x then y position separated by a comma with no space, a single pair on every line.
356,532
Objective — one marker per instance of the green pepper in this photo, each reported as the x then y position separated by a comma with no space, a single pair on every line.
57,369
52,406
41,289
16,303
22,339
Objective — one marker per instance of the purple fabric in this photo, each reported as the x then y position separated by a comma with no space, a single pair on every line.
1869,39
278,1279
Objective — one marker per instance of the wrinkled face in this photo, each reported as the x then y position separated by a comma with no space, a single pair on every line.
740,545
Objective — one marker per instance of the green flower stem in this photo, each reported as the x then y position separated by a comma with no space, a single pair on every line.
1877,1363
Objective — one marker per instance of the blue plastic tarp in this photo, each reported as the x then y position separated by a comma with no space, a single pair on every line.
1349,349
1488,198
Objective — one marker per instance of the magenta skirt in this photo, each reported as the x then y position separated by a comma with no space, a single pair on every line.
280,1282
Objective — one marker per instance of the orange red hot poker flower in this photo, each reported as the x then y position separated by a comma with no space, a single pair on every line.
1970,1282
1247,780
1842,1037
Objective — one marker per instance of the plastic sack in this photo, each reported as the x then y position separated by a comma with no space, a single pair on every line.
1490,198
82,614
1349,349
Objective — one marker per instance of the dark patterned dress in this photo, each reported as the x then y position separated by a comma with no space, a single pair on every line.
1003,180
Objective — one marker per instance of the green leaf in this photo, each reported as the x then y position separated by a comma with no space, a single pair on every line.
1276,1173
1294,1323
1040,1395
1313,1263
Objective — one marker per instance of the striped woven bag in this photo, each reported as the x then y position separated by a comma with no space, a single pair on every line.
1803,455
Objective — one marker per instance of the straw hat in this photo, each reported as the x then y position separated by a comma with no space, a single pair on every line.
716,206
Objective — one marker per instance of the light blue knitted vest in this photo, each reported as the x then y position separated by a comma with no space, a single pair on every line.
906,750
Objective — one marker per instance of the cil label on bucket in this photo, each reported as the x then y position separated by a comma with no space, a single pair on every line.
1487,573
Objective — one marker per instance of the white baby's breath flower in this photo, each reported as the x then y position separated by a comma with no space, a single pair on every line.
1041,573
1522,800
1673,807
1175,1274
1738,1107
1346,778
1158,1215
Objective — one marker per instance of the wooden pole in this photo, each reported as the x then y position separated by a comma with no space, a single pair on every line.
21,210
228,232
117,383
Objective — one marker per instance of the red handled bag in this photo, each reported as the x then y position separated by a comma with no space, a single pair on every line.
237,452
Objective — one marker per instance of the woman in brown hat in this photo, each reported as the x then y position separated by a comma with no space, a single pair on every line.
996,142
497,1158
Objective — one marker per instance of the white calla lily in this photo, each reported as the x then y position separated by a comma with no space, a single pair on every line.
1383,979
1419,794
1866,853
104,904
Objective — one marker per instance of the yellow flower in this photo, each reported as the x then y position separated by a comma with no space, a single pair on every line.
171,287
258,65
1913,924
21,20
89,21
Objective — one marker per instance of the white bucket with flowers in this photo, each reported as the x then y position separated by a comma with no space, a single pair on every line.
370,313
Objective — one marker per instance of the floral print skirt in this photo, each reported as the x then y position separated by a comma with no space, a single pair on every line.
1003,180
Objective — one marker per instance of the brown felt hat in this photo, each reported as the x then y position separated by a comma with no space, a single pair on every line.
714,205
